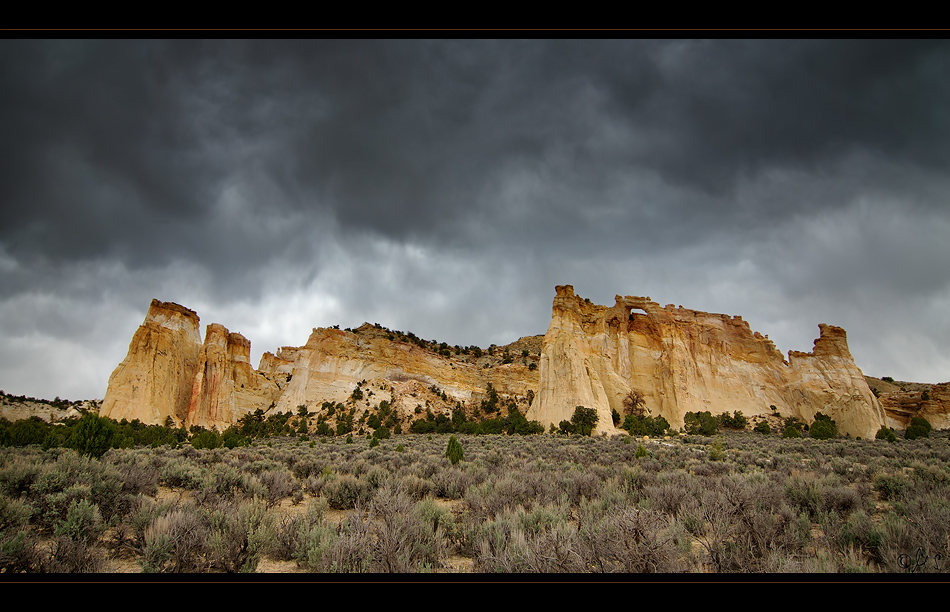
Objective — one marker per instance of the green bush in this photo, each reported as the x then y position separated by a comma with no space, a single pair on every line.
791,432
886,433
763,428
658,426
823,428
232,438
33,430
634,426
919,428
584,420
422,426
716,451
206,438
454,450
92,436
701,423
794,423
736,421
645,426
344,423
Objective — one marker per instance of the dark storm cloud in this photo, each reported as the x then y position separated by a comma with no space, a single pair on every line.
89,148
123,148
724,108
277,185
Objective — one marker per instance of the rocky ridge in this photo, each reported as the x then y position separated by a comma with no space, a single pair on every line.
682,360
903,401
168,373
20,407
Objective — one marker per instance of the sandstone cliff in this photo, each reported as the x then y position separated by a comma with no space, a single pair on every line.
225,386
170,372
690,361
333,361
155,379
681,360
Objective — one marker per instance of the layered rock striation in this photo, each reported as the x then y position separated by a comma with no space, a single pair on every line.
904,401
691,361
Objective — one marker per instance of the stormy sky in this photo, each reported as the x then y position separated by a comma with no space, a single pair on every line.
445,187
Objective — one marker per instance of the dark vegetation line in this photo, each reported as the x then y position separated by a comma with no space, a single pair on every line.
93,435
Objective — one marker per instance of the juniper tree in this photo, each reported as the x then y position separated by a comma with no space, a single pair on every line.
454,450
584,420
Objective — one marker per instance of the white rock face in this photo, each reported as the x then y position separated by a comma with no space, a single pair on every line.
690,361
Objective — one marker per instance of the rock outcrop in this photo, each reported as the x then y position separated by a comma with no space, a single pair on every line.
690,361
333,361
20,407
681,360
155,379
903,401
225,386
170,372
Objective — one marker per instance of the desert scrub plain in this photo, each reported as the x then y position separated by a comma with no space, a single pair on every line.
739,501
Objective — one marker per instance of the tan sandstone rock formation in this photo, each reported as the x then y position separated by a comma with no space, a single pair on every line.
332,362
690,361
681,360
155,379
932,402
170,372
225,386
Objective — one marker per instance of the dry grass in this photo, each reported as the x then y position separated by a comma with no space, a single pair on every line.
515,504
